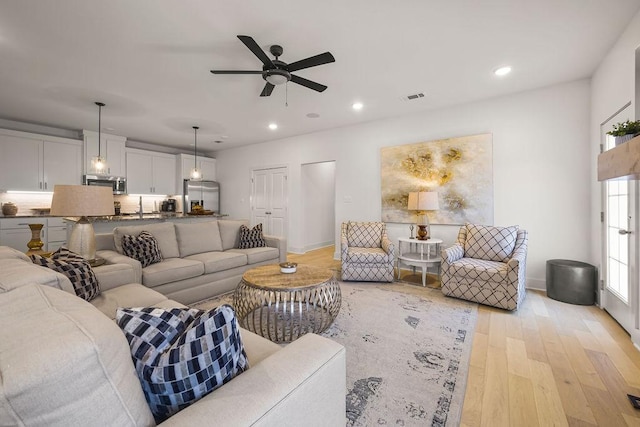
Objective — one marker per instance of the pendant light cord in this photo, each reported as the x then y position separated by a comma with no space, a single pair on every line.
195,147
100,105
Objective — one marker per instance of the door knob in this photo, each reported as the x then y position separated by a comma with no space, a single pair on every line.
623,232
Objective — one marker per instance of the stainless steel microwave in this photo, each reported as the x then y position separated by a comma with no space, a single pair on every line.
117,183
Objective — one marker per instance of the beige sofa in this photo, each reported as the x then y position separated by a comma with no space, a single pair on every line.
200,260
64,362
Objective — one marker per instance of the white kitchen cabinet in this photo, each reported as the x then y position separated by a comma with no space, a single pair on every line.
112,149
15,232
31,162
149,172
185,163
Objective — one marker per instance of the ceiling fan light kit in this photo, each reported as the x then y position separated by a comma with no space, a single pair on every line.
276,72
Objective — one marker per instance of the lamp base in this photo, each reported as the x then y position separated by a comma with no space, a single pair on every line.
83,239
422,232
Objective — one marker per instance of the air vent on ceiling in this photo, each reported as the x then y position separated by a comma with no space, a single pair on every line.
414,96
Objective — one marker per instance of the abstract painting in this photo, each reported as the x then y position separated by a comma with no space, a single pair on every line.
459,169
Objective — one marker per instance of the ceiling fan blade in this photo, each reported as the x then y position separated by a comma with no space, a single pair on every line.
268,88
257,51
235,72
323,58
308,83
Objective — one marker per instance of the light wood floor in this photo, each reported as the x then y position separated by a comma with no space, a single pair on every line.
547,364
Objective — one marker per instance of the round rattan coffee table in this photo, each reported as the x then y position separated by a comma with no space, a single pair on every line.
283,307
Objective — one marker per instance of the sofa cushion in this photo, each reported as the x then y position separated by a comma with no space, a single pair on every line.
219,261
489,242
230,232
256,255
63,363
130,295
171,270
182,355
164,232
143,247
364,234
251,238
198,238
75,267
18,273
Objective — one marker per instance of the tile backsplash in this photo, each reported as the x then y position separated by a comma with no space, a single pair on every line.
128,204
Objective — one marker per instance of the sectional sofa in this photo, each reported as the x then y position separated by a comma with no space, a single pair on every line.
65,362
200,260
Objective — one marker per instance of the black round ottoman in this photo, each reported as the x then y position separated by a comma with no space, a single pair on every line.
569,281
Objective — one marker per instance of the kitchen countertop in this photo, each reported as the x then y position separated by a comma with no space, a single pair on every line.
147,216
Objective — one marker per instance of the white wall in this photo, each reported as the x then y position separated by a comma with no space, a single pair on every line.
541,168
318,200
612,86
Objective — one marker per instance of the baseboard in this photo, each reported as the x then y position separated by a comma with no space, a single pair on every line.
537,284
318,246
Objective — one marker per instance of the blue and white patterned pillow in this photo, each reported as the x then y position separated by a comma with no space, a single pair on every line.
75,267
251,238
143,247
182,354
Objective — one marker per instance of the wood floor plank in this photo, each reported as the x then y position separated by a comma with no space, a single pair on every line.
582,366
479,350
472,408
484,316
537,303
548,403
517,361
631,421
574,422
495,398
615,383
498,330
574,402
622,362
549,334
533,343
588,341
514,323
522,403
600,403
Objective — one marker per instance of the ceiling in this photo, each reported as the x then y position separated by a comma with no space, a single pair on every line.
149,60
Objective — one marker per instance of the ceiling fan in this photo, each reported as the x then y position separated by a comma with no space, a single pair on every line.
276,72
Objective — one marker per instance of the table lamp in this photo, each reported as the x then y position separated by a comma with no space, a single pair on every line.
82,201
421,202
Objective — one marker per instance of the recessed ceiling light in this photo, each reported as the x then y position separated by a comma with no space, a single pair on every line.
217,141
313,115
502,71
273,126
357,106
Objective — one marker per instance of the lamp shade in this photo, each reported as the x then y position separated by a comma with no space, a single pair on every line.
423,201
82,200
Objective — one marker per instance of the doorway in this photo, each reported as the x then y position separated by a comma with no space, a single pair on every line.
620,238
269,200
318,182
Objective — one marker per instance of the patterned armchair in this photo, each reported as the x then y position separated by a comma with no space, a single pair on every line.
487,265
367,253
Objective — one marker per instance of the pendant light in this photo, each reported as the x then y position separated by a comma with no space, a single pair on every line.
99,163
196,174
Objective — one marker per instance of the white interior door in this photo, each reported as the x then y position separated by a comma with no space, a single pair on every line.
619,296
269,200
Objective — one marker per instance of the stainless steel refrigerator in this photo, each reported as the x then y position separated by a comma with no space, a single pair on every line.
204,193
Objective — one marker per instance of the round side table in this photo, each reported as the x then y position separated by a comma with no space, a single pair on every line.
283,307
419,254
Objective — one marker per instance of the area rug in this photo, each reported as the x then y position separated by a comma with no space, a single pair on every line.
408,353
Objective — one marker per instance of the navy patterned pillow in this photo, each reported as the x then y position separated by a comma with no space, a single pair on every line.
76,268
182,354
251,238
143,247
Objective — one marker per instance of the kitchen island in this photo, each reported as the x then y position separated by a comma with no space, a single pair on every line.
106,224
